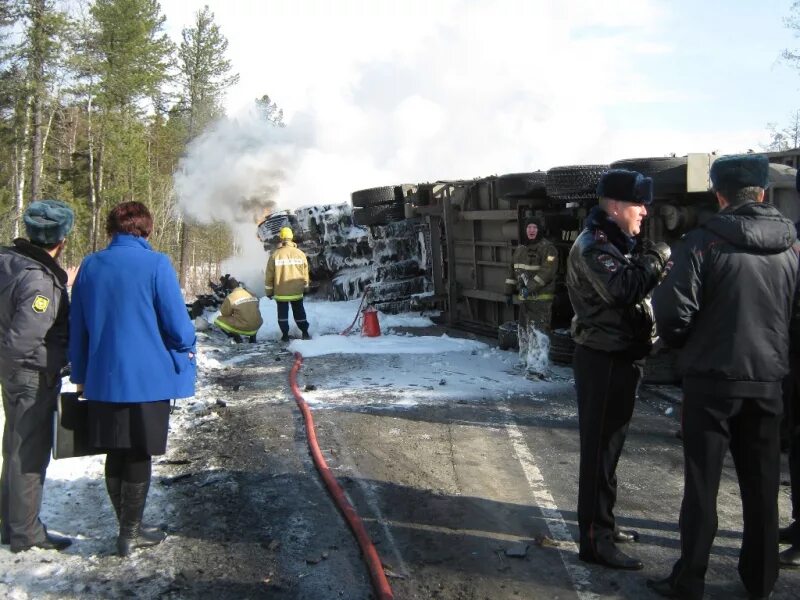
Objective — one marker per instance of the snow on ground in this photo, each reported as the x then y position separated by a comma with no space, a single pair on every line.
394,371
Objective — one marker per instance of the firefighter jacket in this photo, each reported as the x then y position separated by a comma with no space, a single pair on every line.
287,273
34,309
727,301
239,313
532,272
609,280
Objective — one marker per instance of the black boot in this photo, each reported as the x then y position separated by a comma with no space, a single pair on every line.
131,535
114,489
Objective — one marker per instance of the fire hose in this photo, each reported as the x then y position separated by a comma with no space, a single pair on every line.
380,584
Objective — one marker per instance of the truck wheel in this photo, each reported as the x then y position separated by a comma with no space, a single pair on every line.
380,214
668,173
520,185
574,183
380,196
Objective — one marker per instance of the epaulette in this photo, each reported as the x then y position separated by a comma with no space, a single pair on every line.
600,236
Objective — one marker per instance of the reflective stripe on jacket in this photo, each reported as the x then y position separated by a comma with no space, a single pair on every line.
239,313
287,273
532,272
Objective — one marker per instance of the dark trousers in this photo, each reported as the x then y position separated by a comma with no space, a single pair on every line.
749,427
606,385
792,414
298,312
29,399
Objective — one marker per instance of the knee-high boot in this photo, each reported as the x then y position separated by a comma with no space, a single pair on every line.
114,489
131,534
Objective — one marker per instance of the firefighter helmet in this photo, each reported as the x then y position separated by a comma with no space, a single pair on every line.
286,233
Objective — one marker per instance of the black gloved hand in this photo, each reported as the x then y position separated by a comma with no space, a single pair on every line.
509,300
660,250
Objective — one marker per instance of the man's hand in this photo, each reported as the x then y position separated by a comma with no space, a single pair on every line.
72,273
661,250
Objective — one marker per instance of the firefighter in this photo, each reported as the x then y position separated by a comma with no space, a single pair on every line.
239,313
609,279
287,280
34,321
727,302
532,278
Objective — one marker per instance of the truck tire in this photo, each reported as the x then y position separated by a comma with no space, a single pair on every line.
379,214
521,185
507,336
668,173
378,196
661,369
576,182
385,291
561,347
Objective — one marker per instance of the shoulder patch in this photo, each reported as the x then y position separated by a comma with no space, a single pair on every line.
600,235
608,262
551,258
40,304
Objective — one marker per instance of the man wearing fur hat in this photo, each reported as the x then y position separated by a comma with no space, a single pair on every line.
609,279
34,309
532,278
727,303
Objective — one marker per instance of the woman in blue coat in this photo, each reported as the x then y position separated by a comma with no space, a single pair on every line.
132,350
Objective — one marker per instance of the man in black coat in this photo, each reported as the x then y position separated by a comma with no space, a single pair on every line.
727,302
609,278
34,314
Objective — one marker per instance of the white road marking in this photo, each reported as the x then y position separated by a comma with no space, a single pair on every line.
568,549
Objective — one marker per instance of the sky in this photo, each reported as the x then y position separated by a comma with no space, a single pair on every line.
379,93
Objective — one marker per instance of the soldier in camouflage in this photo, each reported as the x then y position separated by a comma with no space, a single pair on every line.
532,279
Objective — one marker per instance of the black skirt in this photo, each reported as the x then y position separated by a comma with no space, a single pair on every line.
137,425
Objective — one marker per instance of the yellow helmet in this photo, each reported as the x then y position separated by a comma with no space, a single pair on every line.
286,233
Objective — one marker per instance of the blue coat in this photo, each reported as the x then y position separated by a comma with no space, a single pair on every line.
130,334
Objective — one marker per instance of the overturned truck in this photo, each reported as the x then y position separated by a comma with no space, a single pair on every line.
448,245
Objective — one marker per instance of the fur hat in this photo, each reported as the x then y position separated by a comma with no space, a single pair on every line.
732,173
626,186
48,221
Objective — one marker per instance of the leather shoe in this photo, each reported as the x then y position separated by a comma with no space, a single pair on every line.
50,542
790,557
786,534
608,555
623,536
665,587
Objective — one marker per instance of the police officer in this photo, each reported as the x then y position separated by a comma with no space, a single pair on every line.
609,278
287,279
791,533
727,303
239,313
532,276
34,309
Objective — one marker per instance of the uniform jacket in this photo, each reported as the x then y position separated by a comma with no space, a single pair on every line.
239,312
727,301
287,272
34,309
533,269
609,281
130,335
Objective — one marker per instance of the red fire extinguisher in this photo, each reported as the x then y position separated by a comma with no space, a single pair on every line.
370,327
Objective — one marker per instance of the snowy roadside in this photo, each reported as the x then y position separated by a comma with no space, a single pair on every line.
416,369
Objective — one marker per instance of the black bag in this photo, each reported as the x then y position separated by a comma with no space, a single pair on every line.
71,427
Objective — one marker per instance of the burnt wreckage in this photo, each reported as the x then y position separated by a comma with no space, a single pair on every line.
448,245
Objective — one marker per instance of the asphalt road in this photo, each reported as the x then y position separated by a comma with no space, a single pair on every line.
466,499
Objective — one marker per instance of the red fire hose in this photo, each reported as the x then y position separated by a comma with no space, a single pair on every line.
379,582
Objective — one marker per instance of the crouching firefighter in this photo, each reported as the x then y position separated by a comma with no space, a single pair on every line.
239,314
532,278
